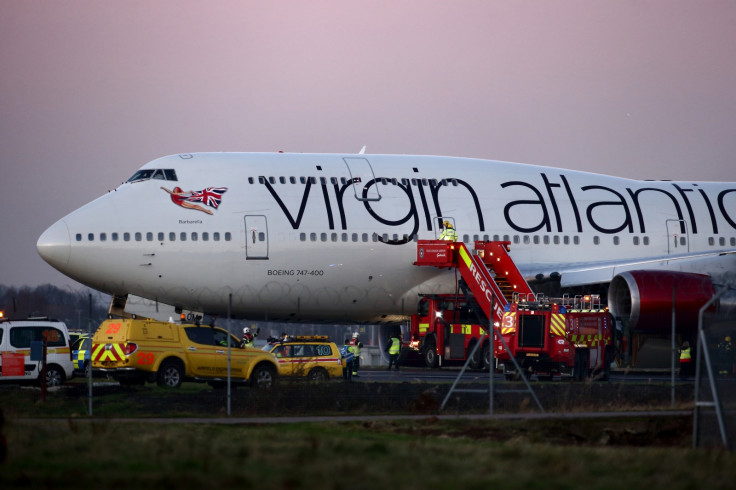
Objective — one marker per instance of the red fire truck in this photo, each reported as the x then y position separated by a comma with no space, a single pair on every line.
445,331
570,337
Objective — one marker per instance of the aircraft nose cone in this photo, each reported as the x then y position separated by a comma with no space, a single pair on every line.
54,245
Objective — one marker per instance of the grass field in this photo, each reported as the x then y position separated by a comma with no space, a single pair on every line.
55,445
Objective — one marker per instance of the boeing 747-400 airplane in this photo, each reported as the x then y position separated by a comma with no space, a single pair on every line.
328,237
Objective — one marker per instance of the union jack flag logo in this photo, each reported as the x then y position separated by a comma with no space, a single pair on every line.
211,196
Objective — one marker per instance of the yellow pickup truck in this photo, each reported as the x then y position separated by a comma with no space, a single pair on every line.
134,351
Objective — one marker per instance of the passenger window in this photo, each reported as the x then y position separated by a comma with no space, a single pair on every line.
344,237
228,236
636,240
365,237
126,236
272,180
172,236
282,180
138,236
195,237
292,180
576,240
355,237
160,236
205,236
313,237
615,240
323,350
91,237
21,337
646,240
114,236
596,240
216,236
103,237
149,236
183,236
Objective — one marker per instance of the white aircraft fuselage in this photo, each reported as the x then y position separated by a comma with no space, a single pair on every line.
327,237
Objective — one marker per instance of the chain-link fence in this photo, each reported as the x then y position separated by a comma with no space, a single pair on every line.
714,422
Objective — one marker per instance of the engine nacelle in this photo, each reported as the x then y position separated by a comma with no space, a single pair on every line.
644,299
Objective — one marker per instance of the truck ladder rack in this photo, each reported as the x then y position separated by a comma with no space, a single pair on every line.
492,278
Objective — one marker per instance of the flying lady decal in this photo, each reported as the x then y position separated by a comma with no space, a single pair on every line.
211,196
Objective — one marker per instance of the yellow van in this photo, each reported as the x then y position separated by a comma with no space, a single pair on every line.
134,351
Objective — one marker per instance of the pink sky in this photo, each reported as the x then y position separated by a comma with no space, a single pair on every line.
92,90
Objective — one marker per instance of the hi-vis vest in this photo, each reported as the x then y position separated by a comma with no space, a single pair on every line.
355,343
395,346
685,355
448,234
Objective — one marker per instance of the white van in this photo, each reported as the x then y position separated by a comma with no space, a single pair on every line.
15,343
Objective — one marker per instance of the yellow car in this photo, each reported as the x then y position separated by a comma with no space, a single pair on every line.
314,357
134,351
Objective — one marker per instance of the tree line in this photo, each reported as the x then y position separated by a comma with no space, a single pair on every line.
76,308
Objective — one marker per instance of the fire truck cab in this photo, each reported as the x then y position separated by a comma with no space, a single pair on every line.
446,329
570,337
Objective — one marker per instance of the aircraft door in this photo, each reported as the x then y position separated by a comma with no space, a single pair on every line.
256,237
361,173
677,241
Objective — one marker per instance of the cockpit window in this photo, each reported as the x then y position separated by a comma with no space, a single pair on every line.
158,174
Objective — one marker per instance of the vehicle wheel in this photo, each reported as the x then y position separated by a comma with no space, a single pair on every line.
170,374
430,353
318,374
476,361
54,376
263,377
580,370
607,360
486,356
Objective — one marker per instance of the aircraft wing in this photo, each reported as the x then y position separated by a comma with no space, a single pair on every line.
580,274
